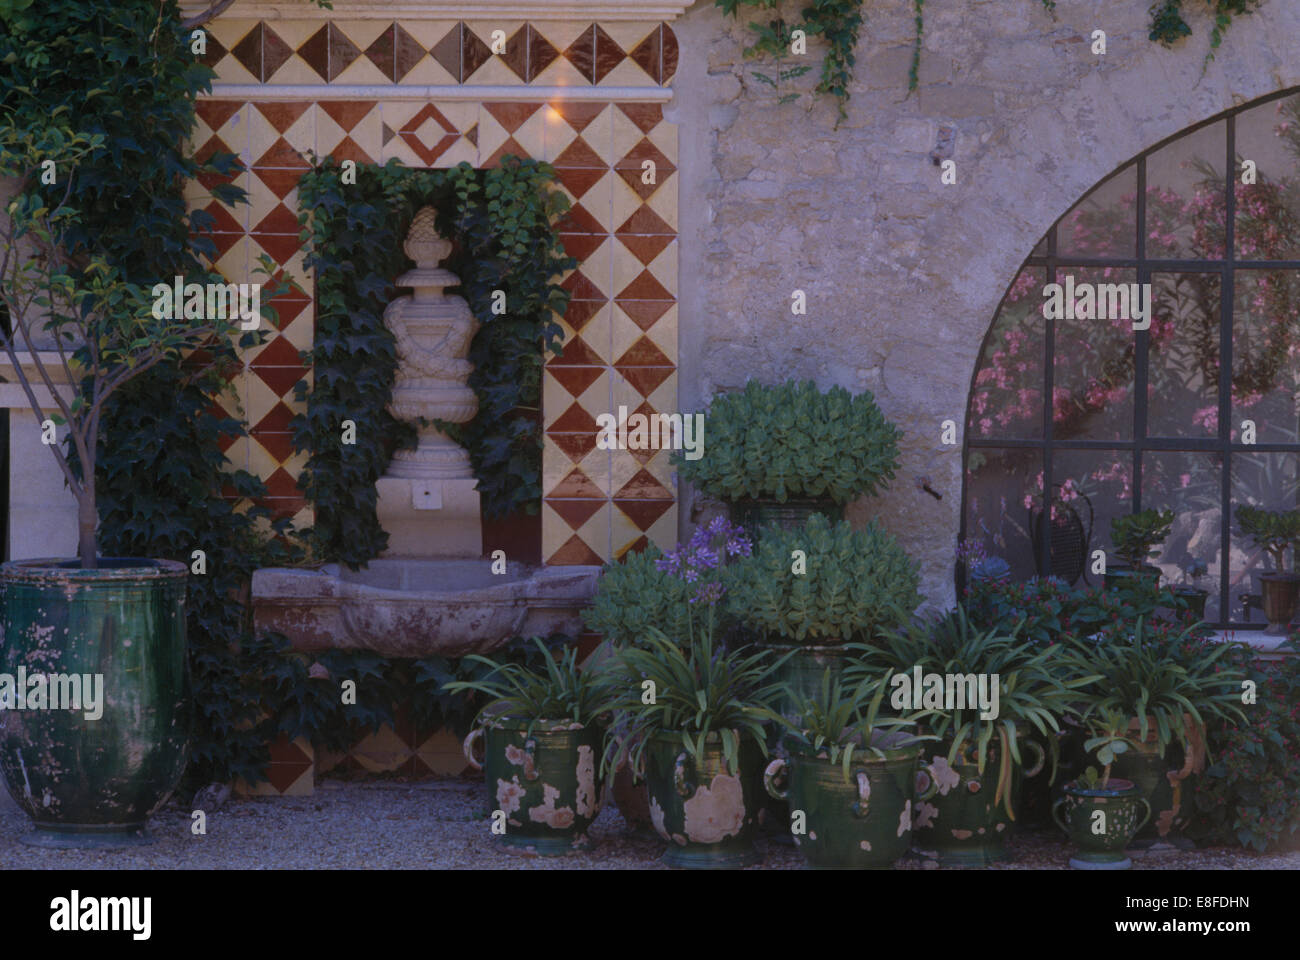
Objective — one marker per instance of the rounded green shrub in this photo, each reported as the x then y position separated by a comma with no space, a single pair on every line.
792,441
633,595
843,585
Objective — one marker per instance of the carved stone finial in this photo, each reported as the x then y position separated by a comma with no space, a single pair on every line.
424,244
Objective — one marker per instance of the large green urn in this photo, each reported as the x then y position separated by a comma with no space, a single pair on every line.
542,782
704,808
92,773
863,822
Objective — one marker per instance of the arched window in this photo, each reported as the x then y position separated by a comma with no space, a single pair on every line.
1108,419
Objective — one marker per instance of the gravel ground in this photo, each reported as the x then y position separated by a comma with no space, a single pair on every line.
438,824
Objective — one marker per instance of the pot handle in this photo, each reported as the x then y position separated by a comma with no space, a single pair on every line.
775,772
530,759
684,787
1056,814
469,748
1040,762
862,806
931,787
1146,803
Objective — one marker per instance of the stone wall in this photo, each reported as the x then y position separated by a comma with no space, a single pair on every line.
902,273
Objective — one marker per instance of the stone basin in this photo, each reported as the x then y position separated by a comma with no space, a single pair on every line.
419,607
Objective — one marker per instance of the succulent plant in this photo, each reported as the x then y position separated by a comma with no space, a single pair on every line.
842,584
1136,536
792,441
1271,530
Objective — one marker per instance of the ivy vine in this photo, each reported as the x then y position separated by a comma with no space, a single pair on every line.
502,224
838,23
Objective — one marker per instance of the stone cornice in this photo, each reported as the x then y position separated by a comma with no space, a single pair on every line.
537,10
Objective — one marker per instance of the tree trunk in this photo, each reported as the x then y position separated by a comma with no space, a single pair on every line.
87,547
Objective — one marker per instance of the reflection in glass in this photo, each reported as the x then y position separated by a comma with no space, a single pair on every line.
1000,498
1095,486
1183,355
1268,210
1266,354
1103,223
1093,393
1270,481
1189,484
1007,399
1186,207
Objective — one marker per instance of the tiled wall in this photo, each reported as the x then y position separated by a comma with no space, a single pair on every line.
621,326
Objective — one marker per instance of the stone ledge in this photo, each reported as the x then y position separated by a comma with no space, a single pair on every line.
451,10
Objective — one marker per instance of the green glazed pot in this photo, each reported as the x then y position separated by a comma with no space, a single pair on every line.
1162,781
704,810
753,515
862,823
95,781
545,784
1195,599
960,825
1101,822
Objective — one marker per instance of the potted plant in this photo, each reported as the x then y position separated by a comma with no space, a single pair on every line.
810,591
543,740
851,776
77,331
1274,531
691,724
1135,539
650,590
1101,815
984,748
778,454
1167,681
1189,592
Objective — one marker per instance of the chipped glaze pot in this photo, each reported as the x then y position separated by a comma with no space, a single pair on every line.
96,782
544,783
1162,781
706,811
862,823
1101,822
960,824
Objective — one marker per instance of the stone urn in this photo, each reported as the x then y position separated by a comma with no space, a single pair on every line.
432,331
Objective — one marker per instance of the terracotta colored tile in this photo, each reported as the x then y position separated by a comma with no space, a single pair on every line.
643,513
281,114
577,219
541,54
646,379
248,51
644,287
645,222
347,113
581,245
575,512
575,446
578,113
511,115
473,53
579,312
608,54
643,486
280,182
315,52
669,54
447,51
280,220
516,55
576,380
574,552
280,154
648,54
275,53
215,113
579,154
573,420
213,52
342,51
348,150
578,180
646,116
582,54
382,52
577,485
407,53
576,353
643,353
580,288
644,313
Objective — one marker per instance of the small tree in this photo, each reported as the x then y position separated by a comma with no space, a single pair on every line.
73,303
1273,531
